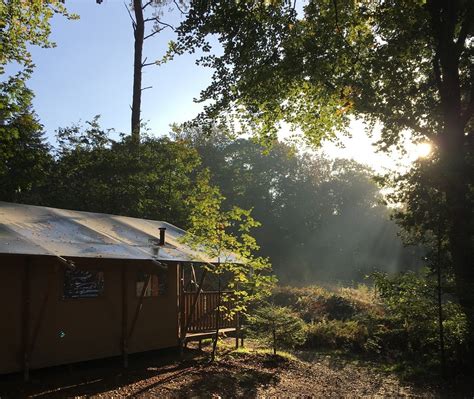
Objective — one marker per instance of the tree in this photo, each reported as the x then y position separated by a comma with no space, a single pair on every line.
225,237
22,24
25,159
405,64
139,23
92,172
321,219
411,306
279,326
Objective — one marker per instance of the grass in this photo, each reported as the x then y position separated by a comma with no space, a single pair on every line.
253,348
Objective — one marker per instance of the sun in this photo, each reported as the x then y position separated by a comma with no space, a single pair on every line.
423,150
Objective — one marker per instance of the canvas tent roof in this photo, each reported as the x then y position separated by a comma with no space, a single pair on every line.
38,230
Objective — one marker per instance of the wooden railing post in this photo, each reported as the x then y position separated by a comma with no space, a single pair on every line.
196,298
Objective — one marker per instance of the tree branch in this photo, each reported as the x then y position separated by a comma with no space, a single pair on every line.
134,24
437,73
148,87
179,8
153,33
469,111
465,28
149,63
159,22
147,4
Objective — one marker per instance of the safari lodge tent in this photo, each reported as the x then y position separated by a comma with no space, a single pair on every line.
77,286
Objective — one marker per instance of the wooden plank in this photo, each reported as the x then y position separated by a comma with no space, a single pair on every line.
40,318
138,308
26,315
182,313
209,334
124,317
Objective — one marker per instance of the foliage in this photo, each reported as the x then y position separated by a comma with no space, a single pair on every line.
412,314
337,334
278,326
25,159
313,64
225,237
93,172
396,321
406,64
23,24
315,303
307,204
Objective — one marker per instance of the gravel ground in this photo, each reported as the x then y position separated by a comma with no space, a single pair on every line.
158,375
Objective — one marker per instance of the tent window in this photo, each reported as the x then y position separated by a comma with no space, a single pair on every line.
156,283
83,283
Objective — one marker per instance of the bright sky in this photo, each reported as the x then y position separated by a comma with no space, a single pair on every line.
90,73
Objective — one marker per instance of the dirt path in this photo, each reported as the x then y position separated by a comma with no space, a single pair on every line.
234,375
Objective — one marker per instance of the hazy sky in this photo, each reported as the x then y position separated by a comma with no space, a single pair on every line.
90,73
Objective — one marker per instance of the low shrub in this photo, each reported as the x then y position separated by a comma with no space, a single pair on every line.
337,334
279,327
317,303
396,321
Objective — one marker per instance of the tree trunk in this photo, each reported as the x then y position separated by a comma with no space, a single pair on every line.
139,33
454,152
460,237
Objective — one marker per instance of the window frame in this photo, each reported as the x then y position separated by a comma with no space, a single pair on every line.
147,273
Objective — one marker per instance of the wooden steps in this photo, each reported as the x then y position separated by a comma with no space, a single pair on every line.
198,336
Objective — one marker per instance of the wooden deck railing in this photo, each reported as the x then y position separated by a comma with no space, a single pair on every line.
203,318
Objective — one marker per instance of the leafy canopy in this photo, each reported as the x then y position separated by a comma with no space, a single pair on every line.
314,63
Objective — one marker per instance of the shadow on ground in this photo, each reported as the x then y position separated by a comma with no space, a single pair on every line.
93,377
152,374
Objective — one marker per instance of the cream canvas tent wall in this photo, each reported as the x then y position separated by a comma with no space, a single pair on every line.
79,285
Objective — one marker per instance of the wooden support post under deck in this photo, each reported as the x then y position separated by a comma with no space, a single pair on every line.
182,316
237,330
124,317
26,313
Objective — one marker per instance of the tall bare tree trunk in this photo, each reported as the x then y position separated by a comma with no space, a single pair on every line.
139,33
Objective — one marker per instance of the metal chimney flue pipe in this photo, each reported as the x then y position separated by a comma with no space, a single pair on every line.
162,235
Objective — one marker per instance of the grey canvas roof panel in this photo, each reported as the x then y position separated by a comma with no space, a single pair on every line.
38,230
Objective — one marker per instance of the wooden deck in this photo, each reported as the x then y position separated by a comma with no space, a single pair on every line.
201,318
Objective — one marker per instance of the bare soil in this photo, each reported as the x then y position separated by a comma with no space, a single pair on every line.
246,375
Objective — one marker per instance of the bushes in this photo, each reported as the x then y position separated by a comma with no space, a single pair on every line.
317,303
337,334
399,323
412,314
